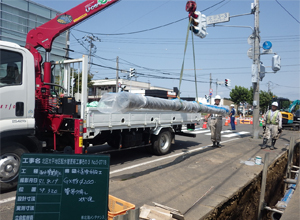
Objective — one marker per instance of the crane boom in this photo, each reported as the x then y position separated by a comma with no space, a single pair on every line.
293,105
44,35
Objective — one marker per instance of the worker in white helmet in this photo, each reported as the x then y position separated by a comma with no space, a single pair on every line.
215,124
272,125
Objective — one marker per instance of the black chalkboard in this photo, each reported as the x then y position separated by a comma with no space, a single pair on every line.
62,187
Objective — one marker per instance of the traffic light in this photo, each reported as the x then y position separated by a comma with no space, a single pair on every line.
131,72
191,6
227,82
276,63
198,24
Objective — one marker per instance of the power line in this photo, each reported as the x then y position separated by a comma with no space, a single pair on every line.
287,11
135,32
149,29
149,75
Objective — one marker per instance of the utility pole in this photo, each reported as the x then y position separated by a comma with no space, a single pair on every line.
90,39
210,82
117,75
269,86
256,68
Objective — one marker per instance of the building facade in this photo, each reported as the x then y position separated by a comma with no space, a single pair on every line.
101,87
18,17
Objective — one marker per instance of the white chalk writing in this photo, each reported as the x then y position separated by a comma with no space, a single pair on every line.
71,191
78,181
50,172
86,199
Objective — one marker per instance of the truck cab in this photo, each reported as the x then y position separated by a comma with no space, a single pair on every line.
17,104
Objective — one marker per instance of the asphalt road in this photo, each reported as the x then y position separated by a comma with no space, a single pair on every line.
137,164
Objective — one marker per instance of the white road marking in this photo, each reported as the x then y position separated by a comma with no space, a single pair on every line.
7,200
199,132
236,134
142,164
222,132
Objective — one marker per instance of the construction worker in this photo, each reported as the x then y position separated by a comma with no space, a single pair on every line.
232,117
272,125
215,124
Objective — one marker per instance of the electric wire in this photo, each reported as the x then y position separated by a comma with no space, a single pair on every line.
145,30
287,11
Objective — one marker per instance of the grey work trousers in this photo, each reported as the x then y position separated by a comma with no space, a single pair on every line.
216,128
271,131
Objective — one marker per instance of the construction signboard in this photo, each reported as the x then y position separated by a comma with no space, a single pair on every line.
61,186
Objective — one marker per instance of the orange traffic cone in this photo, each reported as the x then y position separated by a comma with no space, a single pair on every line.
251,121
226,123
235,122
204,125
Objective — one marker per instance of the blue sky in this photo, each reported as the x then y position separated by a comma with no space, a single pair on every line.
223,52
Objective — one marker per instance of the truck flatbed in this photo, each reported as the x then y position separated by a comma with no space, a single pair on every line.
97,121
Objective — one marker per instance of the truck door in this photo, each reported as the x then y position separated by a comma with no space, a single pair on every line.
16,109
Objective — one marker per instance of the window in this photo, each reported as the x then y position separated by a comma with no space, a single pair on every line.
10,68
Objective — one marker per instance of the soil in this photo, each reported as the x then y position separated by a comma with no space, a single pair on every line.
244,204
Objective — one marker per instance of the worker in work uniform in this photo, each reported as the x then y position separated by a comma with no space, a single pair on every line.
272,125
215,124
232,117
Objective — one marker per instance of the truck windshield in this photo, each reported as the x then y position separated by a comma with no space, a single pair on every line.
10,68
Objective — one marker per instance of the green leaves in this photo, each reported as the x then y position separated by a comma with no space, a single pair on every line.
242,94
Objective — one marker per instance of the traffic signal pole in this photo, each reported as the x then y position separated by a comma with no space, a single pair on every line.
256,62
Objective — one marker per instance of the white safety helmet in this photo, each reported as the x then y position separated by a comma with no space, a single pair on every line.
275,104
232,105
218,97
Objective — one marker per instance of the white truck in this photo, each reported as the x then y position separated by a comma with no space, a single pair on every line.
35,118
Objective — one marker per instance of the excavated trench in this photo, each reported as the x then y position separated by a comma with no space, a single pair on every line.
244,204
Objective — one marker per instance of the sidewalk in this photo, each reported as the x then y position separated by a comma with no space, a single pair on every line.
217,172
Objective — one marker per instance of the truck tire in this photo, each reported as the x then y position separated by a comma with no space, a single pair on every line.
10,161
162,143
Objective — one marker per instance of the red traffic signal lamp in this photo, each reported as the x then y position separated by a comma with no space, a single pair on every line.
194,16
227,82
191,6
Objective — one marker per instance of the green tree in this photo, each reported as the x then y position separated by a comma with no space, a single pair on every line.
239,94
265,99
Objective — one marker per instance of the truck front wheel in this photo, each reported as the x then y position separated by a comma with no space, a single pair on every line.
10,161
162,143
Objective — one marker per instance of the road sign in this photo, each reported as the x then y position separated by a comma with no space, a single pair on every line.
62,186
218,18
245,121
210,94
210,90
119,84
267,45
